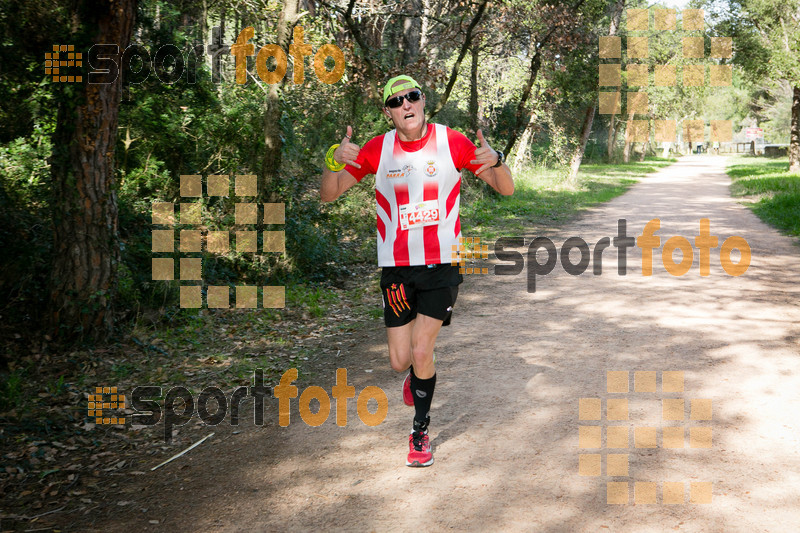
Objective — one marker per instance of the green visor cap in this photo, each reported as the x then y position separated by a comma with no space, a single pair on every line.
388,90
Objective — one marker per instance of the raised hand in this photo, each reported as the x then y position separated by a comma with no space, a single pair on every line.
484,154
347,152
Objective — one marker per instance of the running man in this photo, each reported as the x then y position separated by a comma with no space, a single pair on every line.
417,169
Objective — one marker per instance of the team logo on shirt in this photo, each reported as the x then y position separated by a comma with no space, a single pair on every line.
404,172
430,169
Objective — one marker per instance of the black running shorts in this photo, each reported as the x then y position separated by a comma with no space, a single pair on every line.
427,290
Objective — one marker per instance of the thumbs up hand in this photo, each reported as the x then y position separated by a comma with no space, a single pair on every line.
347,152
484,154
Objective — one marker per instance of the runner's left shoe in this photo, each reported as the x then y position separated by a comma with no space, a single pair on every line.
408,398
419,445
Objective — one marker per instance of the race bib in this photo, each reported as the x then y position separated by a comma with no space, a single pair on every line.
419,215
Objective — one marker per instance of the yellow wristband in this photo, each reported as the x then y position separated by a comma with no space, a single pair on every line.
332,164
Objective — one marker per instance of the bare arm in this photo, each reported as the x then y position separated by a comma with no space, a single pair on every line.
498,178
334,184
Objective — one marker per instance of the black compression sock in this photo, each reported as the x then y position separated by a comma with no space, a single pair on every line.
422,390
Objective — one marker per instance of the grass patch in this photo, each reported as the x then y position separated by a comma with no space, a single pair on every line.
544,197
767,187
11,390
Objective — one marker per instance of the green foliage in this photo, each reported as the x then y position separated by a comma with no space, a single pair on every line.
773,109
770,30
26,233
772,192
11,390
765,34
314,300
194,126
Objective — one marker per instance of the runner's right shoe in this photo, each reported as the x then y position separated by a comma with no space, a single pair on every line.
408,398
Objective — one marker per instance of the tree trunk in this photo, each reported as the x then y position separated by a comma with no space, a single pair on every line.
612,136
524,141
586,129
454,72
616,15
273,142
423,37
412,32
613,27
644,151
626,153
204,21
473,90
86,239
536,63
794,143
372,73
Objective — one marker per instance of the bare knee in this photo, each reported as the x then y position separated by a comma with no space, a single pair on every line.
421,356
400,360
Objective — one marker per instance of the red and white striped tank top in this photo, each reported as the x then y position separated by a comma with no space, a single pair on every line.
418,195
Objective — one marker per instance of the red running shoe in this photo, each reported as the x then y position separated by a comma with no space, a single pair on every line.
408,398
419,446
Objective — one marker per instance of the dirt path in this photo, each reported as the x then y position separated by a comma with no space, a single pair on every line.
512,369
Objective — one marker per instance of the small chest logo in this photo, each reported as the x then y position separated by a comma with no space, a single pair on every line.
430,169
395,173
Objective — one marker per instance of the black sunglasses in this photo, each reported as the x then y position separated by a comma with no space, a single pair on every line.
397,101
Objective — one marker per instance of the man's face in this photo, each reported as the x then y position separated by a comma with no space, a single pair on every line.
411,115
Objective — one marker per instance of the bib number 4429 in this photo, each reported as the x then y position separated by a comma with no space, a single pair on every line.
419,215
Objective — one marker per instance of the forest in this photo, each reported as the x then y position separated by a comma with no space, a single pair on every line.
165,95
160,163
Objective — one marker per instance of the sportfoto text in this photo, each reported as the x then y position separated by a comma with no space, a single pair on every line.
144,400
647,241
168,63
